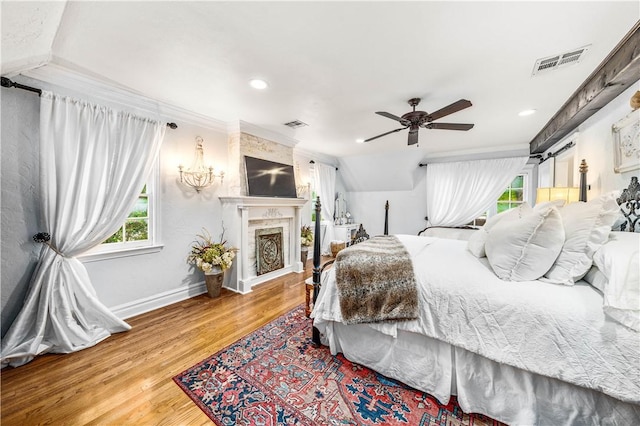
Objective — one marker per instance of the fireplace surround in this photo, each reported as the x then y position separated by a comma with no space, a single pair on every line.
242,216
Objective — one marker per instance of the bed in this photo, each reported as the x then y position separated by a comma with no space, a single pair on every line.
525,351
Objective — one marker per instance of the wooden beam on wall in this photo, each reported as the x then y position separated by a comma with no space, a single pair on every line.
619,70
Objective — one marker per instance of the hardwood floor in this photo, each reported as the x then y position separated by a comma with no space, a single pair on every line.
127,379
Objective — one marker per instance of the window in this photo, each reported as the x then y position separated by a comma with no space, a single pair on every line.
136,227
513,196
138,234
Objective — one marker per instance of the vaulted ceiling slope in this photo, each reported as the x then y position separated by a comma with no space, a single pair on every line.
331,65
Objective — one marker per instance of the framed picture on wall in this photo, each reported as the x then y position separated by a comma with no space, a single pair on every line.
626,143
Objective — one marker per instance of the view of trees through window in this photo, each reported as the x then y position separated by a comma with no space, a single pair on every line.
512,197
136,226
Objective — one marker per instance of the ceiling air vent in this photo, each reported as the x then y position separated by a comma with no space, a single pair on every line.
561,60
295,124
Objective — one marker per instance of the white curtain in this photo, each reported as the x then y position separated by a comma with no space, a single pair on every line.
325,179
459,192
93,164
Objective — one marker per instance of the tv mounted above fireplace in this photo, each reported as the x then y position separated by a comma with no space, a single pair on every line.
269,179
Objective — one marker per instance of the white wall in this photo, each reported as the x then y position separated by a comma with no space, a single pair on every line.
127,284
19,202
594,143
407,209
182,214
121,281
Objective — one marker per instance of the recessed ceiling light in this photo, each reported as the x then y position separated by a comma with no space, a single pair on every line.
526,112
256,83
359,140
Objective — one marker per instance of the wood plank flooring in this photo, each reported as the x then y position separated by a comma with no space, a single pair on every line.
127,379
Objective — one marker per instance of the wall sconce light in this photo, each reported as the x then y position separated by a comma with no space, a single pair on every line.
198,176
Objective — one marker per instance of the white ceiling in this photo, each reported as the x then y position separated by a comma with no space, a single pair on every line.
331,64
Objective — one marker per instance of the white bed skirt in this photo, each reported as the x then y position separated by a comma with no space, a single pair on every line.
505,393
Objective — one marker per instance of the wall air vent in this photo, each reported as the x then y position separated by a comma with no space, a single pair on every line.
295,124
557,61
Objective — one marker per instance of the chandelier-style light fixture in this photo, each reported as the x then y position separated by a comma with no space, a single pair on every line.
198,176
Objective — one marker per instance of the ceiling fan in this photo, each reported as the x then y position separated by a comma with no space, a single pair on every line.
415,119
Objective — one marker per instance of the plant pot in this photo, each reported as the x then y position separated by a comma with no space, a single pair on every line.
304,253
214,281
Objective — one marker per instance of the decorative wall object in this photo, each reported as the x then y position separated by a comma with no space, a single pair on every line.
269,250
626,143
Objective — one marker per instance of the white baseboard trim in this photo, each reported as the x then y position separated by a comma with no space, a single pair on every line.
147,304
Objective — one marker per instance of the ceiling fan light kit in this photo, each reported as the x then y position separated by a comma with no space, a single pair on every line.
413,120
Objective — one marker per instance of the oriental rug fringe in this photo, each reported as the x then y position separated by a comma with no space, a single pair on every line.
277,376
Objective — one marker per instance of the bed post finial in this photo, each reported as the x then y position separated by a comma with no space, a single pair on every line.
583,169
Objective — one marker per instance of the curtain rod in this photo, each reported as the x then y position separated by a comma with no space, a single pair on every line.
313,162
8,83
558,152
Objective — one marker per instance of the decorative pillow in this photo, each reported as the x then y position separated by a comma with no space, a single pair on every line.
524,249
596,278
478,239
619,260
587,226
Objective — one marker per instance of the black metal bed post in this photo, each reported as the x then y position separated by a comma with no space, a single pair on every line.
583,169
386,218
316,266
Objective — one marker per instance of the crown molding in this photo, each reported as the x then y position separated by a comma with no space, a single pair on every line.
120,96
244,127
518,150
316,156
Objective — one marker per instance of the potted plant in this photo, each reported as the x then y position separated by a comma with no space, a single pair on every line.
213,259
306,239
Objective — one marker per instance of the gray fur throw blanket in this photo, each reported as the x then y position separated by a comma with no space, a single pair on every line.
376,282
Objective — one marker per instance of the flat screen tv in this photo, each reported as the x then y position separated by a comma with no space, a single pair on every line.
269,179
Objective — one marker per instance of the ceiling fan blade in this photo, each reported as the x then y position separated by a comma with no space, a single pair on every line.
384,134
413,137
448,126
450,109
393,117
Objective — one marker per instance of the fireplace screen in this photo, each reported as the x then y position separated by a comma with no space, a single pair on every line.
269,250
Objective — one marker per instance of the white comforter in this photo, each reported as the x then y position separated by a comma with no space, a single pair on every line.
553,330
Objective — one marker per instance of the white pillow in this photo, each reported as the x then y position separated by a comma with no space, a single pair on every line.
478,239
619,260
587,226
524,249
596,278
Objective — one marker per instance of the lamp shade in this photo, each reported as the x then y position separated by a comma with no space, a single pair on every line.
569,195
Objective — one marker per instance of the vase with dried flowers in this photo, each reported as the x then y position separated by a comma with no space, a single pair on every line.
211,258
306,240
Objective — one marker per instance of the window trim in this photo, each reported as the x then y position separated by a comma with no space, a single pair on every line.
526,172
134,248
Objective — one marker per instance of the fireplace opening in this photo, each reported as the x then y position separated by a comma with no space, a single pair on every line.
269,256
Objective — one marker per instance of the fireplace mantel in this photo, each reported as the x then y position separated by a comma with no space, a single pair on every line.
241,215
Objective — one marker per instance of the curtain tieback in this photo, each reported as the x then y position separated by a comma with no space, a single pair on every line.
43,237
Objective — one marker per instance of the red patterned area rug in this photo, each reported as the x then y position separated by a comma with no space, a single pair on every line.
277,376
